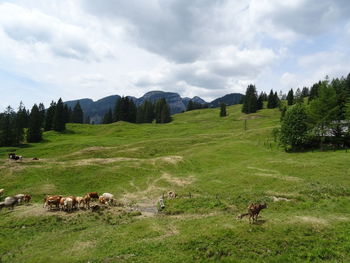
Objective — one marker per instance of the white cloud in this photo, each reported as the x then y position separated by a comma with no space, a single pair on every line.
208,48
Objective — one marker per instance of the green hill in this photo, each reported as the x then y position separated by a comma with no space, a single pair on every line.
215,165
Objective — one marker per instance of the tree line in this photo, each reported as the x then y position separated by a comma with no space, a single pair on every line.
252,102
318,117
126,110
15,127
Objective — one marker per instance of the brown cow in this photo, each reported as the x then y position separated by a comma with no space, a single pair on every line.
86,201
102,200
52,200
93,195
27,198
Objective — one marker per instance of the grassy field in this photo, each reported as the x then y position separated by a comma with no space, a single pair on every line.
215,165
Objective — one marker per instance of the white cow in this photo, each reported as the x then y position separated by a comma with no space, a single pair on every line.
109,198
68,204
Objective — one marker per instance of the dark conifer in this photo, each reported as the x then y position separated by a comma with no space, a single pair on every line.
34,133
108,117
290,97
58,119
222,109
77,114
250,100
49,116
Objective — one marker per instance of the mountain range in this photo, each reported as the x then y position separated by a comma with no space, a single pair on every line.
96,109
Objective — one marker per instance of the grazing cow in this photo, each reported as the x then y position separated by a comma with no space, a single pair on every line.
27,198
75,202
253,211
80,200
9,202
13,156
68,204
109,198
61,205
20,198
86,200
102,200
53,200
93,195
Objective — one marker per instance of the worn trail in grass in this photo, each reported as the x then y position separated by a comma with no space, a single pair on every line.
215,165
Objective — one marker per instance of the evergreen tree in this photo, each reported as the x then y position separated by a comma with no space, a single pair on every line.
22,116
158,109
271,101
298,97
222,109
290,97
132,111
148,111
41,109
87,120
276,100
190,106
34,133
162,111
67,113
314,91
49,116
11,131
305,92
59,124
108,117
250,100
260,102
165,114
77,114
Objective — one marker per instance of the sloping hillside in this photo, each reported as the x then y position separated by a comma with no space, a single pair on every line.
217,166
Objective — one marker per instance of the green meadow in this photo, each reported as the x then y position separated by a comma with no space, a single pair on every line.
217,166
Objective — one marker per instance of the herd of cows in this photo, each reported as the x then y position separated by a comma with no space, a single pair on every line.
59,202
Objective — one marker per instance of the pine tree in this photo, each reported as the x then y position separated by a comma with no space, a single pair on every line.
77,114
314,91
42,114
305,92
22,116
190,106
222,109
271,100
7,137
158,109
165,114
132,111
67,113
276,100
59,124
298,98
260,102
250,100
290,97
49,116
108,117
34,133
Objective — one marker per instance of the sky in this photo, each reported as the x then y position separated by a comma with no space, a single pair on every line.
91,49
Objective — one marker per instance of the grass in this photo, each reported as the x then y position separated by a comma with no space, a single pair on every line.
215,165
